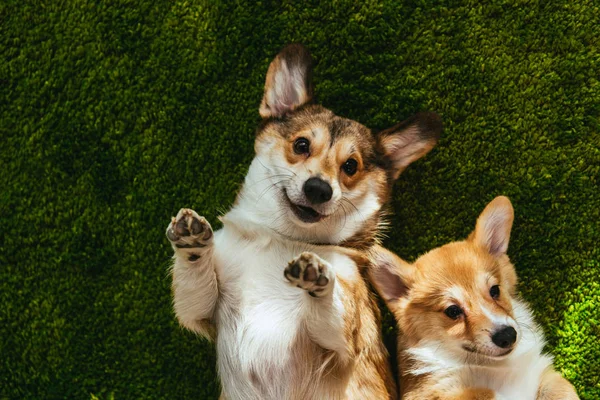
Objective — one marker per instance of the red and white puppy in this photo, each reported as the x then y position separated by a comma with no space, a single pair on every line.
306,328
464,333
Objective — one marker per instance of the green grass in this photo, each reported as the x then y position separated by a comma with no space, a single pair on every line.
114,116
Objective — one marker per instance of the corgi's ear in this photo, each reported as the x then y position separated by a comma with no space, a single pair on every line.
391,276
409,140
494,225
289,82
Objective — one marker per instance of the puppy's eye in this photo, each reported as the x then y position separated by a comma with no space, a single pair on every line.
301,146
350,166
495,292
453,312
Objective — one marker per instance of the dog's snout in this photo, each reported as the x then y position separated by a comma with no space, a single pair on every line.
317,191
505,337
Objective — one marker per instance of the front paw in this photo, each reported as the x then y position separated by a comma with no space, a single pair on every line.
311,273
188,230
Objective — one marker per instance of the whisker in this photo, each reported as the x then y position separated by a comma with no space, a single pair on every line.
286,169
272,186
278,216
345,214
270,177
275,166
528,327
353,206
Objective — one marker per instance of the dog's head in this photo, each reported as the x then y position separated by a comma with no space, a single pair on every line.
458,296
323,176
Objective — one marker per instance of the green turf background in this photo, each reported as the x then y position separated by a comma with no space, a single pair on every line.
115,115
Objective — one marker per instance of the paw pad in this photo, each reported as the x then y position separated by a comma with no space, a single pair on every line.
189,230
309,272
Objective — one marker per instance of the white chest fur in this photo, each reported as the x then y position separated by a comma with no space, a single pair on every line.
516,377
259,314
519,379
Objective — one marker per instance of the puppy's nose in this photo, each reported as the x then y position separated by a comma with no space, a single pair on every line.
505,337
317,191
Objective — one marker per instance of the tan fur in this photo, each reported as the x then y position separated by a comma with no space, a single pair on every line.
373,377
328,153
459,273
368,375
441,269
310,198
327,156
554,387
428,393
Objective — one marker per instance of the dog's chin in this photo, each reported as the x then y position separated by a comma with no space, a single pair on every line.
304,214
487,354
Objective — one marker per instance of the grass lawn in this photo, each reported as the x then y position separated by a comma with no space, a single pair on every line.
116,114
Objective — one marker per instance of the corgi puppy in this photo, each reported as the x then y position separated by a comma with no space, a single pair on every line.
279,287
464,333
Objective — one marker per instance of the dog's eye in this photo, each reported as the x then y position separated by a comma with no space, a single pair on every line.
350,166
495,292
453,312
301,146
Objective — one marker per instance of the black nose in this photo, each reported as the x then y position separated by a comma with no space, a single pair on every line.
505,337
317,191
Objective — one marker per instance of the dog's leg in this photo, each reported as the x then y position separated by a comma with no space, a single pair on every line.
554,387
327,302
194,279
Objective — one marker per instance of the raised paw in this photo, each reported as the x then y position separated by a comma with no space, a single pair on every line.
188,230
311,273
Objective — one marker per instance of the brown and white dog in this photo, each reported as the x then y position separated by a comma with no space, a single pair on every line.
306,328
464,333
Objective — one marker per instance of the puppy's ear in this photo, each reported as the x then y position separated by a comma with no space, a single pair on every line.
289,82
409,140
391,276
492,231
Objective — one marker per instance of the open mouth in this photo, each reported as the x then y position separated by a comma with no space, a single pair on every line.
304,214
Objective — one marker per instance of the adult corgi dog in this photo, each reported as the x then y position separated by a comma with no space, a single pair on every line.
464,333
280,286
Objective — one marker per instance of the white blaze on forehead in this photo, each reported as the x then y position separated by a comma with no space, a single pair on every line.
312,167
498,319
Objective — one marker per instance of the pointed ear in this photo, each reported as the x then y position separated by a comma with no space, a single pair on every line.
289,82
391,276
492,231
409,140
